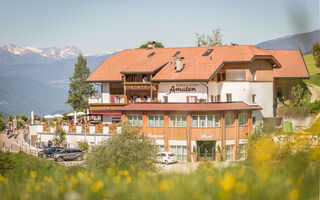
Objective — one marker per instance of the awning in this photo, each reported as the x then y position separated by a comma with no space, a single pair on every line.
105,113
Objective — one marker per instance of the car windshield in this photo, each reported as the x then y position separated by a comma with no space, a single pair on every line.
63,151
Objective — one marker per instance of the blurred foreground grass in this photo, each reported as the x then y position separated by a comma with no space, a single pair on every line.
272,171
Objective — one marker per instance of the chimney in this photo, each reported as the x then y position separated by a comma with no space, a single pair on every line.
179,64
151,44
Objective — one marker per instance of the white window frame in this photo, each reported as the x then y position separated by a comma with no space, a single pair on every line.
183,123
226,119
206,123
158,120
136,119
230,152
242,151
245,116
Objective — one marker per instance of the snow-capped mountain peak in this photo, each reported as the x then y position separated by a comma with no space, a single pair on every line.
52,52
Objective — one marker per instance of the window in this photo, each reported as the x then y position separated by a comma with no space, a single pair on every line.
217,98
223,76
242,151
176,54
208,51
134,79
243,119
155,120
229,119
151,54
229,97
116,99
254,98
229,152
254,119
205,121
180,151
134,120
279,93
144,78
254,76
191,99
212,98
177,121
165,99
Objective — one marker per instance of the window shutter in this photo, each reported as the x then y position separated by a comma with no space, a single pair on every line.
196,99
187,99
219,98
112,99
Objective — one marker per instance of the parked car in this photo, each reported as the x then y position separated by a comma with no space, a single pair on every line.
47,153
68,154
167,157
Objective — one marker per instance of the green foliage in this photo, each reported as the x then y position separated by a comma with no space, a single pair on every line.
2,122
157,45
59,137
314,107
215,39
297,94
315,128
194,150
83,145
23,117
124,151
5,162
79,90
272,172
316,53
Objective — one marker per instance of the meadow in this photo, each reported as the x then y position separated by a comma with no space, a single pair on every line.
313,70
272,171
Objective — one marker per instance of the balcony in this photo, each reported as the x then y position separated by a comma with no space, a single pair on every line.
140,86
94,99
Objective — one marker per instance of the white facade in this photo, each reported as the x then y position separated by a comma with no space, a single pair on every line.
178,91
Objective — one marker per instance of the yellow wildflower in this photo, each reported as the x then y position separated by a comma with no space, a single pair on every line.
33,174
3,179
80,174
110,171
294,194
87,180
227,182
142,175
126,173
117,179
210,179
288,182
241,188
73,180
128,179
97,186
165,185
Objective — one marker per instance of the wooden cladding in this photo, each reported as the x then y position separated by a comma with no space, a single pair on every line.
105,107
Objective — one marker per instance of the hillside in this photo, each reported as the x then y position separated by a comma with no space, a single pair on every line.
302,41
313,70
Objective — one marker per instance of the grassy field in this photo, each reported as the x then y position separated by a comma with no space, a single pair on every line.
271,172
313,70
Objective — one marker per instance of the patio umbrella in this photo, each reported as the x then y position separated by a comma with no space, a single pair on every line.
48,116
58,116
80,113
70,114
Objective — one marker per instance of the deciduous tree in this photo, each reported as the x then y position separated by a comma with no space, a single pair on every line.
215,39
156,45
316,53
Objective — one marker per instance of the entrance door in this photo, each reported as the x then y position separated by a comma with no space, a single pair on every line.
206,150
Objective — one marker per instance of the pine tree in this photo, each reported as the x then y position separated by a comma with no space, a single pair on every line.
79,90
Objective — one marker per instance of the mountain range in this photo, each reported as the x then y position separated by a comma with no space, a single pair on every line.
302,41
37,78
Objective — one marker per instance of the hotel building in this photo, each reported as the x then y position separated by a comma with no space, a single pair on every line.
207,98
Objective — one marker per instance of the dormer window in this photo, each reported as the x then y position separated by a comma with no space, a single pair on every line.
151,54
208,51
176,54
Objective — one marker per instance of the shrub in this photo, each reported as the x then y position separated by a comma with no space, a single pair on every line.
83,145
314,107
60,137
124,151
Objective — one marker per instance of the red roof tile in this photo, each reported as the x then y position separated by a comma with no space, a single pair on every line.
292,64
189,106
197,67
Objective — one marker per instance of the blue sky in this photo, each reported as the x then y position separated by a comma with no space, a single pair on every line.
101,26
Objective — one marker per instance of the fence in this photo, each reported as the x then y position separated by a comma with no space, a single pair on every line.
16,148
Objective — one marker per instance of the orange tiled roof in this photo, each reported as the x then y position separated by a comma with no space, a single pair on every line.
292,63
190,106
197,67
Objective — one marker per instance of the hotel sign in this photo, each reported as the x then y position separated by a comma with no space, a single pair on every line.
183,88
